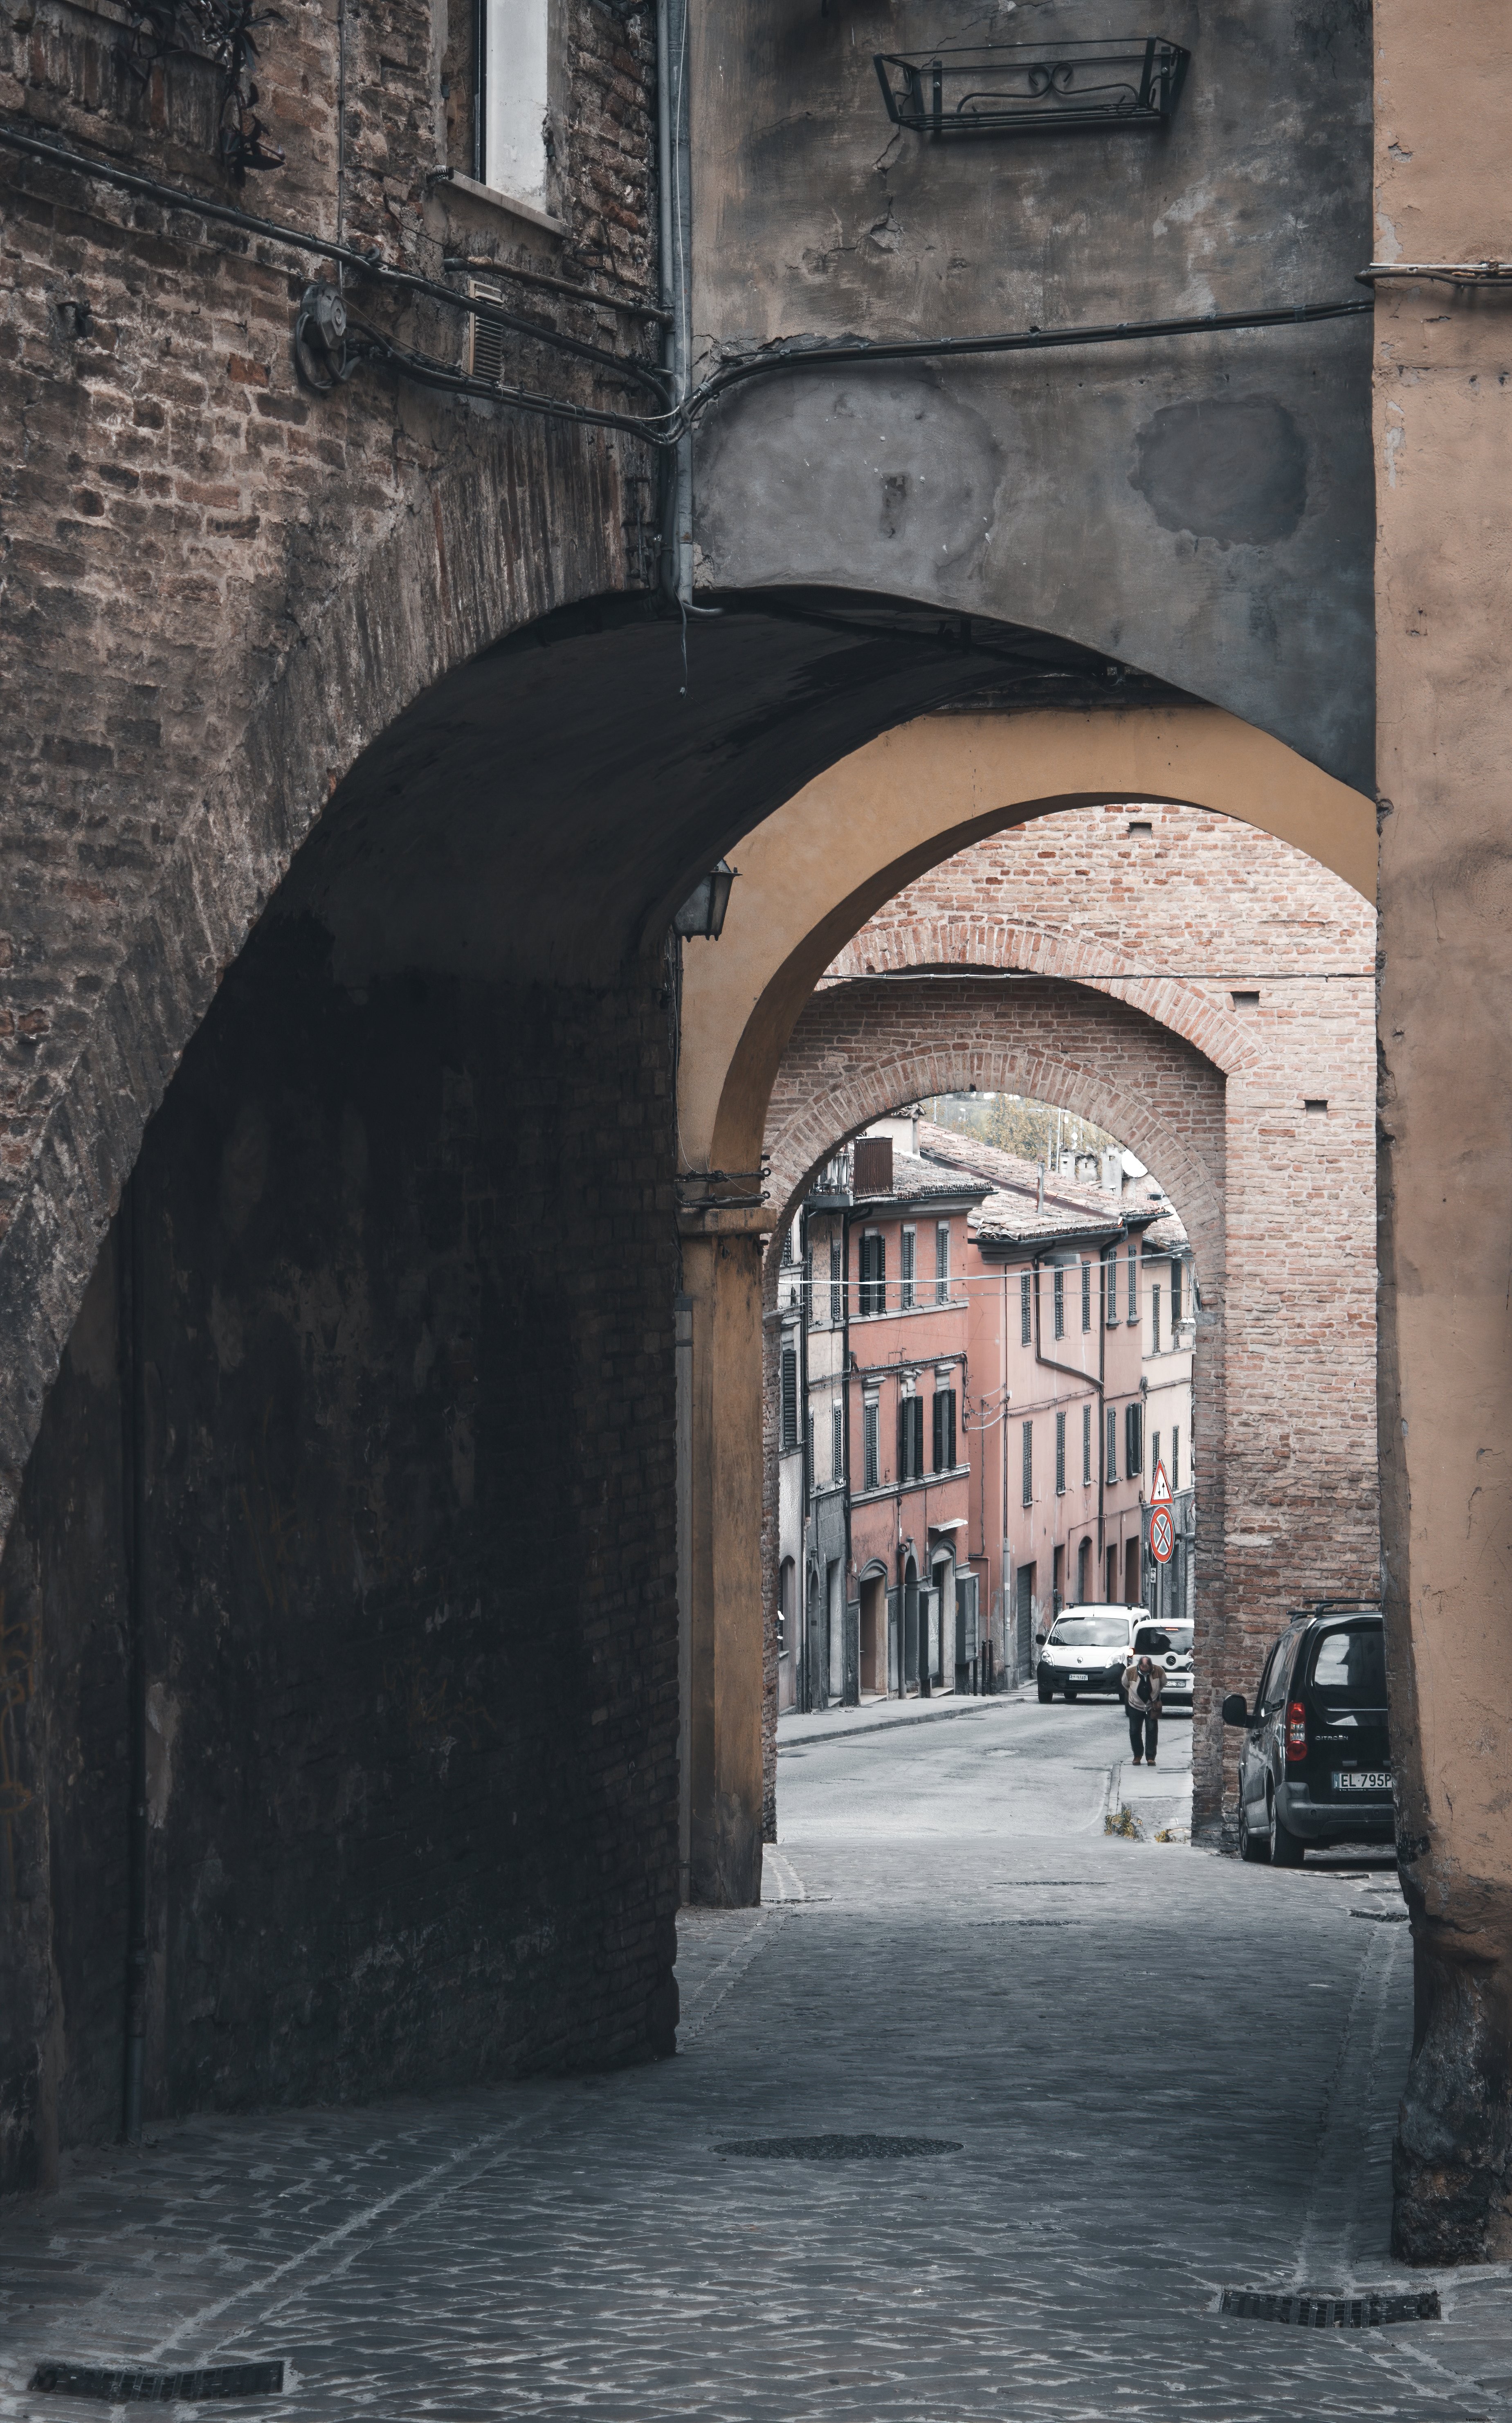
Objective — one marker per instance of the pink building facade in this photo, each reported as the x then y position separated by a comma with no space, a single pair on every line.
970,1356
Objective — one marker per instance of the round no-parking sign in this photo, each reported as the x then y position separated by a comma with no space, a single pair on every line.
1162,1535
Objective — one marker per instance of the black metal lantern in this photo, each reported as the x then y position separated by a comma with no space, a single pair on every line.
702,913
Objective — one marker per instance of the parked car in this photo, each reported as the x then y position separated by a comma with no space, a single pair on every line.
1315,1767
1170,1646
1086,1649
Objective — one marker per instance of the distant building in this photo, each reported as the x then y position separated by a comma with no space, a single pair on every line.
981,1367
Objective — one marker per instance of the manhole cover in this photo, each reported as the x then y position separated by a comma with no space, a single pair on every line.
127,2384
837,2149
1383,1917
1319,2309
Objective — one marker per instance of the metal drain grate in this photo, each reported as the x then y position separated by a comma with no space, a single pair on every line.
1319,2309
126,2385
837,2149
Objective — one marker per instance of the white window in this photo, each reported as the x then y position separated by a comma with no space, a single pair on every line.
513,97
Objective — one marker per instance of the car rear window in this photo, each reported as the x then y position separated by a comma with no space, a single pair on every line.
1090,1632
1349,1667
1154,1640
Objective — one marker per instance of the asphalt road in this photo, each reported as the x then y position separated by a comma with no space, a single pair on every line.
1053,2091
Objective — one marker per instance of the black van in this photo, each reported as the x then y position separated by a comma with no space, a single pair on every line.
1317,1765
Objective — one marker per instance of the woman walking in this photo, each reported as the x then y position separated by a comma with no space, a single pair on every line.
1142,1685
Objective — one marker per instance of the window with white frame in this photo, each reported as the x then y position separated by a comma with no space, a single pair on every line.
511,97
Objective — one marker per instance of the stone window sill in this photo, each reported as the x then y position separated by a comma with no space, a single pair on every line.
504,203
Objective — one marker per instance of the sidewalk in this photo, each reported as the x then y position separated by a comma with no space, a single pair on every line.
881,1716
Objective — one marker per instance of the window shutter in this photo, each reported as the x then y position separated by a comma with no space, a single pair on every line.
1026,1312
1133,1442
1086,1296
1086,1445
1176,1304
1028,1463
1111,1445
1059,1303
1133,1285
790,1397
1060,1455
837,1281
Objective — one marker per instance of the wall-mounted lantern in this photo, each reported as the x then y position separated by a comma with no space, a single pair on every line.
1030,89
702,913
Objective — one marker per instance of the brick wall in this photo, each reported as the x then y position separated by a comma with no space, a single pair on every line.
408,1247
1139,945
409,1567
217,588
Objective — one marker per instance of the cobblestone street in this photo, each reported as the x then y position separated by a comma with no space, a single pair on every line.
1159,2074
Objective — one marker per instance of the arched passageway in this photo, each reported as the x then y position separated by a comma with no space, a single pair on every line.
342,1443
815,884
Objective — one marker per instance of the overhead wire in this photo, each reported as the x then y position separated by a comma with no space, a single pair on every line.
675,419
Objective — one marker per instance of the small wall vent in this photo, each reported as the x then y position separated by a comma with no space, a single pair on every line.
485,340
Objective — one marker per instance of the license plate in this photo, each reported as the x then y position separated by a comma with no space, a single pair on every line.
1373,1779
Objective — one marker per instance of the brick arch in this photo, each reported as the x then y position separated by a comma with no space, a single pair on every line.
864,1046
431,595
899,944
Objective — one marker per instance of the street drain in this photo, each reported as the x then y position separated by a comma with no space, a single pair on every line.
838,2149
1024,1921
1317,2310
126,2385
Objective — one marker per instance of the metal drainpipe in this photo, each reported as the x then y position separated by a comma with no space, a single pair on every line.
1072,1373
133,1497
846,1434
674,198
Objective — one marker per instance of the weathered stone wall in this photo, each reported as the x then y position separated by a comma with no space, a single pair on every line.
408,1566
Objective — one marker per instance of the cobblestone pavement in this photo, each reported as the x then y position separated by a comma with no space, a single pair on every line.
1161,2073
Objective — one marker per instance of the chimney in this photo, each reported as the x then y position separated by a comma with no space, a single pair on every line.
874,1164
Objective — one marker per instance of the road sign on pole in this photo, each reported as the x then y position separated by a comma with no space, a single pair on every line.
1161,1487
1163,1534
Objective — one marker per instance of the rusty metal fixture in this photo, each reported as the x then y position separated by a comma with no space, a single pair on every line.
225,32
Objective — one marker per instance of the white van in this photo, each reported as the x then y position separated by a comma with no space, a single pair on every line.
1086,1649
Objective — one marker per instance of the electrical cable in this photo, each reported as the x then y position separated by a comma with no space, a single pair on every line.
672,424
788,353
367,264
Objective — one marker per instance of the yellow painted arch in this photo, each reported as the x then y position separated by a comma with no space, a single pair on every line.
812,873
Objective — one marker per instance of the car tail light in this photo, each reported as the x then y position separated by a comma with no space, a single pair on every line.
1296,1732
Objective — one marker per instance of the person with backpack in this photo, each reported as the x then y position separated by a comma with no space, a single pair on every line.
1143,1684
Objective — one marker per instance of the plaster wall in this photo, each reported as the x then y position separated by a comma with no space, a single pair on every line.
1197,508
1444,429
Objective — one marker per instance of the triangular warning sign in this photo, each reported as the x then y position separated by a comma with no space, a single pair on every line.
1161,1487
